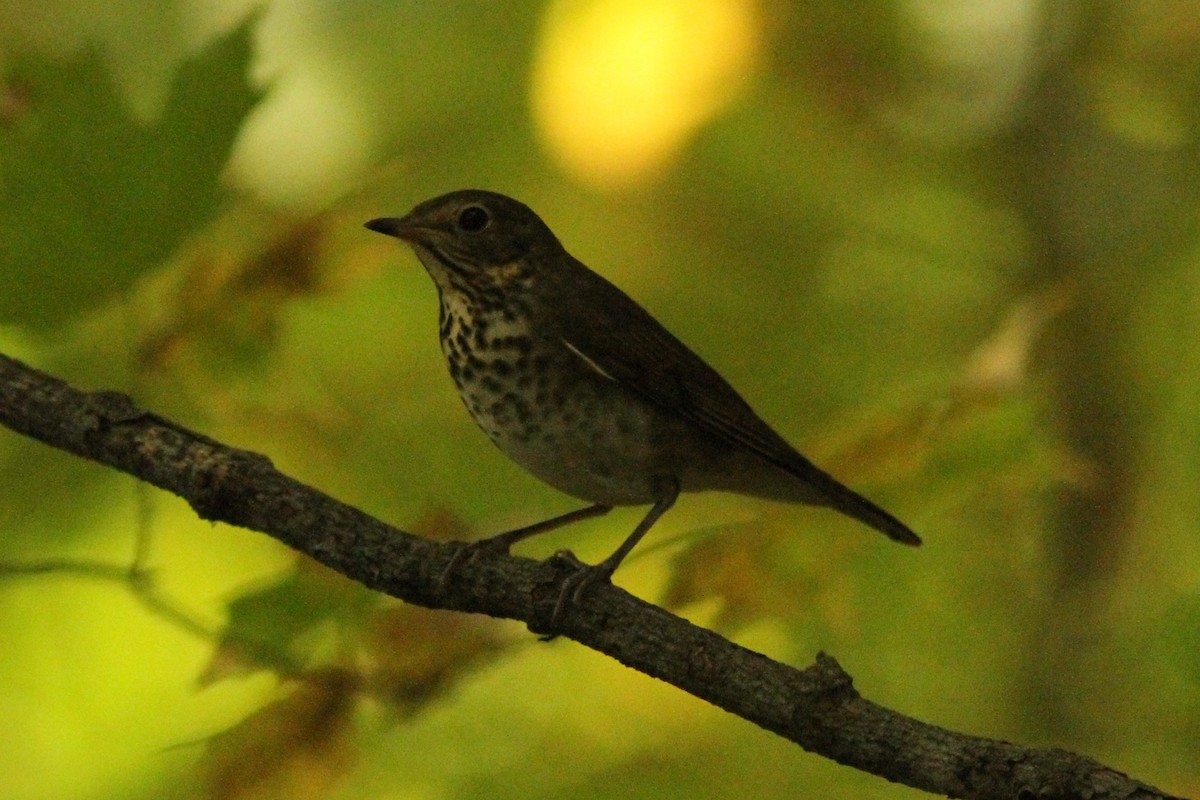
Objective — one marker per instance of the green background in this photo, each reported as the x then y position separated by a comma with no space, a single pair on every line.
950,251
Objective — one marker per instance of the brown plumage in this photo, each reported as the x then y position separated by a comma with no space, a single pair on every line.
581,386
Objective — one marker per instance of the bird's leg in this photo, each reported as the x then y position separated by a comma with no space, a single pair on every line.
587,574
501,542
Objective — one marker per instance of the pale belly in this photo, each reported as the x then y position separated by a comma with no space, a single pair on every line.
549,412
599,454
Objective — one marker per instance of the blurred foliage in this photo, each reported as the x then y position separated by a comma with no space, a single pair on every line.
951,250
93,198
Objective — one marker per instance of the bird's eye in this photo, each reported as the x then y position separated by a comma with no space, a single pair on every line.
473,219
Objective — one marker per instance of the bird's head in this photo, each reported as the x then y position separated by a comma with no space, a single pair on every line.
473,241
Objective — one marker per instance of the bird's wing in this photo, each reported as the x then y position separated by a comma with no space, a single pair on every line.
621,341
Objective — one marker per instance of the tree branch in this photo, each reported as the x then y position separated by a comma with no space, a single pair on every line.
817,707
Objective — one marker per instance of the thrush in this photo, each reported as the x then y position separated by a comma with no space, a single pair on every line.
583,388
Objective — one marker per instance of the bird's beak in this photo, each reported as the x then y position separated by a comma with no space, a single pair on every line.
395,226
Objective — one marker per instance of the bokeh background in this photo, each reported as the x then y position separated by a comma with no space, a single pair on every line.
948,248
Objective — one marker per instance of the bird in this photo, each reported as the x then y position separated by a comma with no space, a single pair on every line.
578,384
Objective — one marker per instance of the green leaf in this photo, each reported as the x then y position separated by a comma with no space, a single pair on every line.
93,197
272,624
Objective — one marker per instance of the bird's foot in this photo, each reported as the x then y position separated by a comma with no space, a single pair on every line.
469,551
501,543
587,574
575,584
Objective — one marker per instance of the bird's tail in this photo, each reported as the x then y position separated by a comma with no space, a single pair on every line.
844,499
812,485
855,505
801,481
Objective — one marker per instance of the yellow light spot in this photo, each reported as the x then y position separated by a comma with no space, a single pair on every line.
620,85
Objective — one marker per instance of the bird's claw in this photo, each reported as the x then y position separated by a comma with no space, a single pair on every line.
572,588
467,552
575,584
